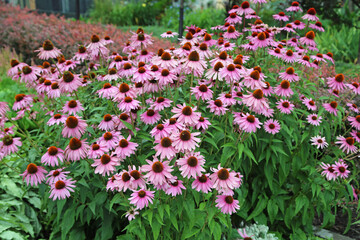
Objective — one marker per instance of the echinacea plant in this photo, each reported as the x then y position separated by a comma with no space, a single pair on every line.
179,140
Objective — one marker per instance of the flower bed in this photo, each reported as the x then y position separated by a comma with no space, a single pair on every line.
179,139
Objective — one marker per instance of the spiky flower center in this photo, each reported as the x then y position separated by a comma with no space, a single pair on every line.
261,36
48,45
229,199
108,136
141,193
32,168
285,104
185,135
60,184
68,77
166,142
123,143
72,122
350,140
187,111
72,104
289,53
231,29
57,116
258,94
290,70
255,75
339,78
218,103
14,62
333,104
157,167
95,38
250,118
285,84
223,174
19,97
245,5
53,151
125,177
75,144
310,35
150,112
217,66
165,73
105,159
135,174
127,66
194,56
311,11
95,147
124,87
192,161
7,140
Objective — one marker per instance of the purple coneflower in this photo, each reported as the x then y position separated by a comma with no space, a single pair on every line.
61,189
319,142
33,174
76,150
227,204
106,164
272,126
52,155
157,171
346,144
141,198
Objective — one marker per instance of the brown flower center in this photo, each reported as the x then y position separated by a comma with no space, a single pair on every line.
223,55
231,29
60,185
72,104
7,140
223,174
95,147
166,142
187,111
14,62
56,173
48,45
229,199
125,177
68,77
32,168
250,118
350,140
285,84
124,87
285,104
289,53
258,94
19,97
218,103
290,70
192,161
108,136
72,122
127,66
157,167
185,135
135,174
217,66
141,193
75,144
160,127
339,78
245,5
95,38
310,35
53,151
333,104
165,72
105,159
255,75
123,143
194,56
311,11
150,112
124,116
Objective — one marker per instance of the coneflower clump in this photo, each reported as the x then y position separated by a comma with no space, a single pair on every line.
226,123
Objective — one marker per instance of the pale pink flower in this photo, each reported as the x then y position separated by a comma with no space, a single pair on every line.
125,148
346,144
33,174
61,189
52,155
141,198
272,126
227,204
157,171
185,140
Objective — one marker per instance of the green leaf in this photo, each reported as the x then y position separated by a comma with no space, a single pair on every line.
174,222
115,199
261,205
211,141
300,201
66,225
156,229
272,209
248,153
129,126
217,231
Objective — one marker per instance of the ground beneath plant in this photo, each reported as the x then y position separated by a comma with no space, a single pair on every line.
341,221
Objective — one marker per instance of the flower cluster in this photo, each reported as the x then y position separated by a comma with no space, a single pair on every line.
172,98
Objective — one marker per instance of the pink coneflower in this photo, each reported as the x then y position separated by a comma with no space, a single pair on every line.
285,106
157,171
191,165
22,101
328,171
331,107
355,122
142,75
202,91
224,178
127,71
227,204
52,156
289,56
305,60
61,189
123,91
74,127
248,123
48,50
340,169
112,183
308,39
165,149
150,117
288,28
261,40
276,52
29,74
106,164
233,18
4,108
16,67
69,82
185,140
97,150
76,150
81,54
295,7
57,119
110,139
161,103
289,75
194,64
317,26
355,87
202,183
254,80
346,144
283,89
203,124
108,122
353,107
231,33
231,73
186,115
54,91
95,44
337,82
319,142
125,148
141,198
136,178
318,57
112,75
128,104
272,126
145,56
68,65
228,99
217,107
169,34
314,119
10,145
244,9
281,17
56,175
72,107
175,187
160,131
244,235
310,104
33,174
311,15
165,77
131,213
267,90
